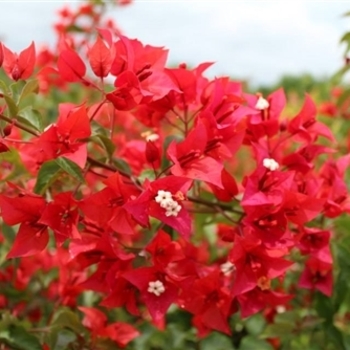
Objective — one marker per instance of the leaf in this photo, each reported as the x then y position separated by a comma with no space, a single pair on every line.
70,168
335,336
12,106
276,329
47,173
66,318
105,142
250,343
216,341
345,38
122,165
18,338
147,174
32,86
3,88
16,89
64,338
31,117
71,66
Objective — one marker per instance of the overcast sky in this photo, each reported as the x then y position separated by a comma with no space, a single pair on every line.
257,40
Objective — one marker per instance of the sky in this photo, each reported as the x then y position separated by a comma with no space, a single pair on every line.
254,40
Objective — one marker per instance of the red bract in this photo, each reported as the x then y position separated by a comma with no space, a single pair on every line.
64,138
100,58
305,125
255,264
189,159
162,200
32,236
119,332
108,206
19,66
156,288
70,66
209,302
317,275
61,215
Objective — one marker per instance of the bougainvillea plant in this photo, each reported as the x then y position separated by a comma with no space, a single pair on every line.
149,207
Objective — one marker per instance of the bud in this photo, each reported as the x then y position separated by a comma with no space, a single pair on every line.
7,130
152,154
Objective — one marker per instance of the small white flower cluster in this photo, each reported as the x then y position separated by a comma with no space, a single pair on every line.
270,164
262,104
227,267
156,287
165,200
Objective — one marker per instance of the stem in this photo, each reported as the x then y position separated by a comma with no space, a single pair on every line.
97,109
97,163
19,125
222,206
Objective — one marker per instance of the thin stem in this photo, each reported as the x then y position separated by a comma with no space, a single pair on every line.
222,206
97,109
19,125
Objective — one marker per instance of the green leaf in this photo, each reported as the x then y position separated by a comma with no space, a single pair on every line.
345,38
12,106
47,174
3,88
32,86
31,117
255,324
250,343
64,338
16,89
122,165
335,336
147,174
104,142
18,338
66,318
70,168
324,307
216,341
276,329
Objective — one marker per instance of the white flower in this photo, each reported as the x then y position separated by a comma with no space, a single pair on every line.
152,137
173,210
227,268
165,200
262,104
270,164
156,287
163,196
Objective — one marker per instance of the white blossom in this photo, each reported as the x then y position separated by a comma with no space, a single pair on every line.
227,267
270,164
156,287
166,201
262,103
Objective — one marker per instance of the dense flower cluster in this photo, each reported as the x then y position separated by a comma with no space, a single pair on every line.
115,184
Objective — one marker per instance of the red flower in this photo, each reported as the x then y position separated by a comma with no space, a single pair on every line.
317,275
18,66
162,200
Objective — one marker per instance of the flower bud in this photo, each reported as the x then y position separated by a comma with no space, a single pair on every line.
152,154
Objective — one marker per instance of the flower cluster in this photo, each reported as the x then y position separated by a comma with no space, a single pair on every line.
163,188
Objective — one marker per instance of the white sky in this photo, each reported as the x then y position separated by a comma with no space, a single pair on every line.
258,40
